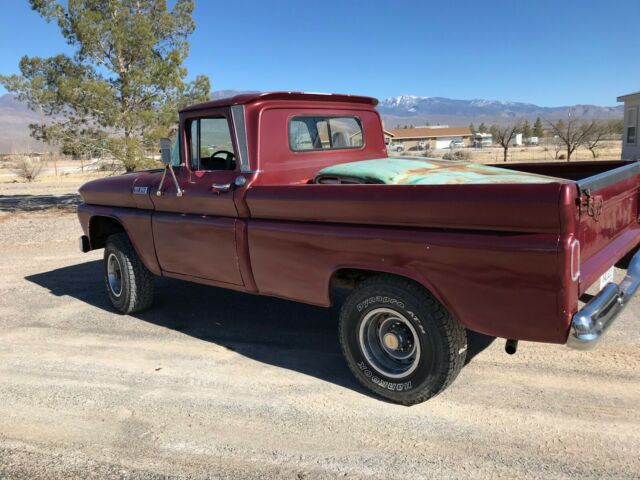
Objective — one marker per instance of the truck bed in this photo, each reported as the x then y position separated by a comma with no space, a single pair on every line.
514,241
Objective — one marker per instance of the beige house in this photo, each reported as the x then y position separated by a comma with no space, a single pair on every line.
630,144
434,137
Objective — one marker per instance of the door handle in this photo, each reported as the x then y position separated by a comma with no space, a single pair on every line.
220,187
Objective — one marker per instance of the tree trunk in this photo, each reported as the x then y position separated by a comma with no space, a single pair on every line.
129,161
506,150
568,153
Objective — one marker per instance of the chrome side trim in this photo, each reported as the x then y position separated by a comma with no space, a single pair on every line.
591,322
607,178
240,130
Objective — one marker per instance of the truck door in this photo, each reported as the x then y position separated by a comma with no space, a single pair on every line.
195,233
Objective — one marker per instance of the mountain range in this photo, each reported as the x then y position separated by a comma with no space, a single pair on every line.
415,110
402,110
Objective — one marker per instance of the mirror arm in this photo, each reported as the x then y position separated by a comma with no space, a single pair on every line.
164,174
169,167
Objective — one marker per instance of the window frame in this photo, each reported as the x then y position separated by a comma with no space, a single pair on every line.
328,118
188,140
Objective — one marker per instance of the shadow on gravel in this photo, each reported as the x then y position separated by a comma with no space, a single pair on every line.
33,203
277,332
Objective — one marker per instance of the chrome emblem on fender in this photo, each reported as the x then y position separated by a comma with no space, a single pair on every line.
141,190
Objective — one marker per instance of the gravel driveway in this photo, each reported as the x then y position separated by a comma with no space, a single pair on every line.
216,384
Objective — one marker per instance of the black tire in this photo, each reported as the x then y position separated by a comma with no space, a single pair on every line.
134,290
404,310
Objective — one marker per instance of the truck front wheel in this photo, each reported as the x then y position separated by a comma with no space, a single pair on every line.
129,283
399,341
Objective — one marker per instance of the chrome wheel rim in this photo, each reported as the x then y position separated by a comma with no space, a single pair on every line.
389,342
114,275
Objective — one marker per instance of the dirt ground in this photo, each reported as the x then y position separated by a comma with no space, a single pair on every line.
216,384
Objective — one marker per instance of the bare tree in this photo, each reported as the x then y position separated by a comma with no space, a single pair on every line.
572,132
593,141
503,135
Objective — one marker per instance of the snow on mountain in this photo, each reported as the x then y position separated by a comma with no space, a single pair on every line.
417,110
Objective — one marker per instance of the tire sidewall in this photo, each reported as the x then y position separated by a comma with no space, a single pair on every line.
429,373
122,301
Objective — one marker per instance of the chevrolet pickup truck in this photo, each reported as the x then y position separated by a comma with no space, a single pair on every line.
293,195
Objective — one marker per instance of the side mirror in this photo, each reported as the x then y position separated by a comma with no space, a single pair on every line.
165,150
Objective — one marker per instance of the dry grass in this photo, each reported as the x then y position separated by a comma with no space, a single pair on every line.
16,168
27,168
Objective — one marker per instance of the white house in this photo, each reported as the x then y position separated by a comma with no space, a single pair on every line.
434,137
630,145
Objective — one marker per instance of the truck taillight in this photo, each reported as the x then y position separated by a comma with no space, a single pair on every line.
575,259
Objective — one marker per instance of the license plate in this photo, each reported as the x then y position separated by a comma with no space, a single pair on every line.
607,277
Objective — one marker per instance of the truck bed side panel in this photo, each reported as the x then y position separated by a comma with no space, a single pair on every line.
495,207
499,284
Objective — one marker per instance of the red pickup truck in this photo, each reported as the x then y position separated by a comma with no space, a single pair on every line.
293,195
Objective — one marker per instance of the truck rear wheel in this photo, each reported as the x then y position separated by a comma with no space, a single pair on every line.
399,341
129,283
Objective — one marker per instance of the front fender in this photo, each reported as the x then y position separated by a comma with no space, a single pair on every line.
136,223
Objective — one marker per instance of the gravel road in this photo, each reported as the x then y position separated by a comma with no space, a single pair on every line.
215,384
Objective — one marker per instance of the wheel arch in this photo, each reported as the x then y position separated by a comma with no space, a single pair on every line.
350,277
101,227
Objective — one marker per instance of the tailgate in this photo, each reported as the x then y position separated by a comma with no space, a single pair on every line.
608,225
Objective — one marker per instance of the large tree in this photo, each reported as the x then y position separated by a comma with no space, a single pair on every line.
503,135
125,81
526,130
538,130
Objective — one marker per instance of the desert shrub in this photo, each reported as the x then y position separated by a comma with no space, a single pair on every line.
27,168
562,156
457,155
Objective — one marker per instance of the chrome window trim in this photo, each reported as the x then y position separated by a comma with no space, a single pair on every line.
240,134
328,117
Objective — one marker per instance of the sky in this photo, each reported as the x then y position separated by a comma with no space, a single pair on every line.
547,52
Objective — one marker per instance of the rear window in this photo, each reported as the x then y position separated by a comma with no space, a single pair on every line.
325,133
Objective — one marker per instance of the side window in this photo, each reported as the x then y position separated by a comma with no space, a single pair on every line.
210,144
325,133
631,121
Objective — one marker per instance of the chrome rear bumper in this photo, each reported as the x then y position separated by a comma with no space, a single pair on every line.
589,324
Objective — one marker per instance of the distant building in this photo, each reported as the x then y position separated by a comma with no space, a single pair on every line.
482,140
432,137
630,145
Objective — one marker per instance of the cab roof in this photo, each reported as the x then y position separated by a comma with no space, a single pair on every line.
247,98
